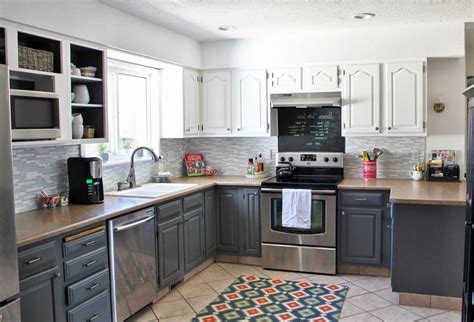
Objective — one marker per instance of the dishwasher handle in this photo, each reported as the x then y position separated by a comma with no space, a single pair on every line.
134,223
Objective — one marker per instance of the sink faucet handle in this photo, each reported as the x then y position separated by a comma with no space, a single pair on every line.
123,185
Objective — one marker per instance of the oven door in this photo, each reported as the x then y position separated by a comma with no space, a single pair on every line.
323,220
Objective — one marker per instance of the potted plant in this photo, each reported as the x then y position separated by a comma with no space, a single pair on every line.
103,151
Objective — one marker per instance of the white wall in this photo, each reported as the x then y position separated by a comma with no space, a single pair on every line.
446,40
93,21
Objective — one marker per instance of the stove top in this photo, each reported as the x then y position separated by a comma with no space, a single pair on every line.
315,171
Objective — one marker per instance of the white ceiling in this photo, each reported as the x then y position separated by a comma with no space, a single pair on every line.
200,19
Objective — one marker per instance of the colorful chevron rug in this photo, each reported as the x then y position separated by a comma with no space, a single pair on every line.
265,299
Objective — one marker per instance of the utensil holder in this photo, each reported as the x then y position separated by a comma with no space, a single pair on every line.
369,170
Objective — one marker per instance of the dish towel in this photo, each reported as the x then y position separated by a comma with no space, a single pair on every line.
296,209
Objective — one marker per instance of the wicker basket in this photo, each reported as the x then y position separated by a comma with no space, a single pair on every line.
36,59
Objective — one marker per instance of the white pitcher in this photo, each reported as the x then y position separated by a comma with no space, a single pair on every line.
77,126
81,94
416,175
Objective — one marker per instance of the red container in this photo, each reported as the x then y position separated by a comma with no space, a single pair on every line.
369,170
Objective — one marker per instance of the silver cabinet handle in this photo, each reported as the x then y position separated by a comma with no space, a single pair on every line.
57,275
322,192
389,128
134,224
90,263
361,199
343,213
35,260
94,317
96,285
91,242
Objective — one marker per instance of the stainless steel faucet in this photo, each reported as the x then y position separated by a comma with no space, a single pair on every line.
131,180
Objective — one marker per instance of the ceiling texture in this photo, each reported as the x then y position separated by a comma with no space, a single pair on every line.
200,19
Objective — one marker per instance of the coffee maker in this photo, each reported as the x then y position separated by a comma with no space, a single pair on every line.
85,180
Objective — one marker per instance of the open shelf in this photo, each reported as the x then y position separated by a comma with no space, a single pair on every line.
3,49
31,81
77,105
84,79
27,93
51,46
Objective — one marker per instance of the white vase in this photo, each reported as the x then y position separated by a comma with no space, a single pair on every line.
77,126
81,94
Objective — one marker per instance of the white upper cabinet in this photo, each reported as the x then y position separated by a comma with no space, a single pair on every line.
404,83
320,78
285,80
249,102
361,99
216,103
192,104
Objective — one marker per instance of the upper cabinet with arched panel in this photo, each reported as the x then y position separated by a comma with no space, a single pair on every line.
320,78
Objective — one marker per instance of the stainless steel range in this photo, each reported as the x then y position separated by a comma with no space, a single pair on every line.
298,249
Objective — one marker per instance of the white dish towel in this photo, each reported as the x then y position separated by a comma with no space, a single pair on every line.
296,212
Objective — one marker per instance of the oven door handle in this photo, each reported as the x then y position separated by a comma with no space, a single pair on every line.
319,192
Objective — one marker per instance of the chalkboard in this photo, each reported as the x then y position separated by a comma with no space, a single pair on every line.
310,129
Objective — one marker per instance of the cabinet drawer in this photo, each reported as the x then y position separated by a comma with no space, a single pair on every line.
85,264
169,210
97,309
88,287
362,199
36,259
85,243
192,202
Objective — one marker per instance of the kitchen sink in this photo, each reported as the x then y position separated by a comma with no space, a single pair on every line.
152,190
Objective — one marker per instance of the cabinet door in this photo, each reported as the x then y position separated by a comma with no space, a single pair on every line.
249,102
39,296
216,103
194,243
285,80
361,99
250,241
404,84
320,78
170,251
210,222
360,235
227,221
191,102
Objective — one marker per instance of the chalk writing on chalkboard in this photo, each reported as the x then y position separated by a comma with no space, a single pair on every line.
310,129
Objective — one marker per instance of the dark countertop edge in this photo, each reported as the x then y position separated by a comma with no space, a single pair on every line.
203,186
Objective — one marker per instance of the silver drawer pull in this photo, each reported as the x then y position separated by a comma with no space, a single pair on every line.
361,199
90,263
91,242
90,288
35,260
94,317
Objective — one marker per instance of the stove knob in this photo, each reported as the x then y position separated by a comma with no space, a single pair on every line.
335,159
290,159
326,159
282,159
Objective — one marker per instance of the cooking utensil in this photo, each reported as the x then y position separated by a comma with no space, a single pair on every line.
377,153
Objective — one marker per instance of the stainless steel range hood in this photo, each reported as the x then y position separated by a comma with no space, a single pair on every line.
304,100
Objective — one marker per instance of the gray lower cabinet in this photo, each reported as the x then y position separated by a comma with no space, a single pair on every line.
210,220
238,221
194,239
228,220
364,228
249,214
39,296
170,251
361,235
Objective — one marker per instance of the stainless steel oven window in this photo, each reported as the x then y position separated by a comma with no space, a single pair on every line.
318,217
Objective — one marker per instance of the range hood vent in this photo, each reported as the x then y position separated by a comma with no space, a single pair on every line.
305,100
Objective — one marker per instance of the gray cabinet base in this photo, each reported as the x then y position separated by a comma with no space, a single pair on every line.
299,258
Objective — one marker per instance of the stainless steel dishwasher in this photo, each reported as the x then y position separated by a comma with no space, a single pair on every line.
132,242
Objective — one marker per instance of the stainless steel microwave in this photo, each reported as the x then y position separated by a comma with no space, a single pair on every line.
34,115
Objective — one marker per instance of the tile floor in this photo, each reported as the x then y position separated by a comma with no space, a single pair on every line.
369,298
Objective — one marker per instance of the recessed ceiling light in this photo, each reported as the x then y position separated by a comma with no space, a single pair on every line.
364,15
226,28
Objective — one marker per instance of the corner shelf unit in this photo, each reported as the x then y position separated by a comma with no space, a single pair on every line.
94,112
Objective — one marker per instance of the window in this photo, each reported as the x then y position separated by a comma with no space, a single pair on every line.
133,111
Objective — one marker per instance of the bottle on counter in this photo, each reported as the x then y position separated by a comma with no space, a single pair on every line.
260,163
250,167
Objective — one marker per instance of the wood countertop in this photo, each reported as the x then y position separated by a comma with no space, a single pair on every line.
36,225
414,192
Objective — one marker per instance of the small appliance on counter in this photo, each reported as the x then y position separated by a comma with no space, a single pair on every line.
85,180
441,166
